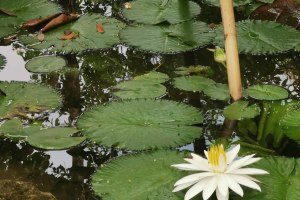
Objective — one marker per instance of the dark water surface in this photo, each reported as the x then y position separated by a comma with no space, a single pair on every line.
66,174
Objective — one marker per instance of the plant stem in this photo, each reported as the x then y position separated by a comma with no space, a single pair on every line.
231,49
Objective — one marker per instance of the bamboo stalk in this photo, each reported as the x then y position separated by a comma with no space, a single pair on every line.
231,49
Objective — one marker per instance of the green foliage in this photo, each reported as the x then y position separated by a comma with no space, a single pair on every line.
262,37
49,139
198,83
283,182
144,86
180,37
89,38
235,2
240,110
267,92
194,69
155,11
45,64
147,176
24,11
21,99
127,124
290,123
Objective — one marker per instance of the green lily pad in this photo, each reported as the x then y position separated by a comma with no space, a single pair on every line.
254,37
267,92
240,110
2,61
24,11
140,86
142,124
197,69
21,99
89,38
156,11
45,64
283,181
180,37
235,2
290,123
13,129
218,91
130,174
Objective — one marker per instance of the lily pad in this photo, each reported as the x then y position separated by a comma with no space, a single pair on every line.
240,110
267,92
235,2
212,89
13,129
24,11
283,182
142,124
21,99
144,86
180,37
290,123
45,64
85,27
191,70
156,11
130,174
254,37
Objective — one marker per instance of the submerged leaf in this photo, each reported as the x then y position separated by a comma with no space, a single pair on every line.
195,69
2,61
240,110
262,37
130,174
45,64
168,39
88,38
144,86
154,12
24,98
267,92
141,124
24,11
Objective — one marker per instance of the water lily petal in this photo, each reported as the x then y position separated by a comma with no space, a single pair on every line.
249,171
232,154
183,186
251,161
210,187
233,185
199,161
193,177
243,180
187,167
206,154
222,185
196,189
238,163
220,196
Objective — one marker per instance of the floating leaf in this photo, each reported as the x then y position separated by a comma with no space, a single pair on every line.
142,124
99,28
87,37
218,91
24,98
155,12
192,83
240,110
45,64
267,92
168,38
254,37
53,138
290,123
130,174
283,181
13,129
24,10
144,86
197,69
235,2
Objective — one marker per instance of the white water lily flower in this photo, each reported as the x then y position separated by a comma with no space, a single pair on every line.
220,171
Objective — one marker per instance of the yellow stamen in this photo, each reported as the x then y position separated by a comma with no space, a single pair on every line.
214,153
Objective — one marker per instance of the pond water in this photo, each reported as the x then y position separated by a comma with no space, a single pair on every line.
66,173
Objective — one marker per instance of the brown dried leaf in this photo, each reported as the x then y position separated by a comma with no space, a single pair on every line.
32,23
282,11
69,36
61,19
7,12
8,40
99,28
127,5
40,36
